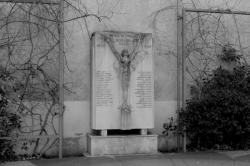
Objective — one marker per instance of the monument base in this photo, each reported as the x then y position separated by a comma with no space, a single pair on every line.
121,144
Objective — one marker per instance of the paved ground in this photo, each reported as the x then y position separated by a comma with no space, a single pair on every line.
236,158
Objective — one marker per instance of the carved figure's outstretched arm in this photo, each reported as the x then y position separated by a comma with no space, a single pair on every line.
110,42
136,47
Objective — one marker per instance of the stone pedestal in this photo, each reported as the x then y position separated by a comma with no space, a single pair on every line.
121,144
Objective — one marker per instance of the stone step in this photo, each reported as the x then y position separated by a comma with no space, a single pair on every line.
122,144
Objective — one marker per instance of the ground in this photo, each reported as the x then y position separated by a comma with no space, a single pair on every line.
230,158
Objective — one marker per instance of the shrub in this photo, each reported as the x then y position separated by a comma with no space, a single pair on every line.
229,54
219,118
9,121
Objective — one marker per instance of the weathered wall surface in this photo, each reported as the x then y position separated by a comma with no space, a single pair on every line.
148,16
135,16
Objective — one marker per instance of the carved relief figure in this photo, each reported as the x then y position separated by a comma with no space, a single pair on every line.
127,63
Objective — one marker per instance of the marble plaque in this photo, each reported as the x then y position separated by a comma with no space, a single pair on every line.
122,80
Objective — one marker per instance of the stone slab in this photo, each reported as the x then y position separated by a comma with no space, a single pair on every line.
235,154
107,79
122,145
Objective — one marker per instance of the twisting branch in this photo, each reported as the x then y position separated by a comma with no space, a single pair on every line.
29,42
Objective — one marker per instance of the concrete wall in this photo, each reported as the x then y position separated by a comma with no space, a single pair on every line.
135,16
154,16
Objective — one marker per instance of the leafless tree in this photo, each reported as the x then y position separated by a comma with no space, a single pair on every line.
29,67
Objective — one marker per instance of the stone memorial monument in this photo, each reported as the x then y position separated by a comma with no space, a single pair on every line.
122,94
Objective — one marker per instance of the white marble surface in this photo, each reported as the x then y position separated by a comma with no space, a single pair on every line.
107,89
